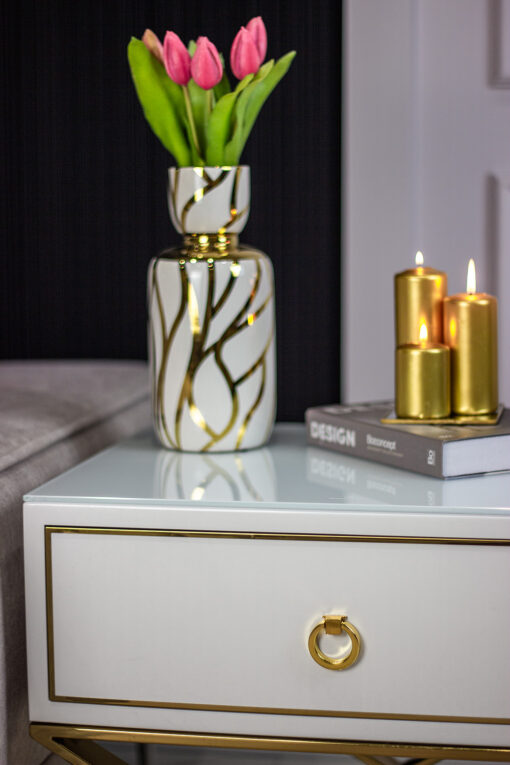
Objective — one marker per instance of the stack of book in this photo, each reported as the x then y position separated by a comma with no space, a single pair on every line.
443,451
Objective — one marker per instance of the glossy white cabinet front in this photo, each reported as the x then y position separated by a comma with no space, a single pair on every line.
224,622
209,630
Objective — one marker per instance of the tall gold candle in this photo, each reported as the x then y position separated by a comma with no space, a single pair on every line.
471,332
419,294
422,379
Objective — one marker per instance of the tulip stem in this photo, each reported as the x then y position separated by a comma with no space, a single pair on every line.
210,100
189,112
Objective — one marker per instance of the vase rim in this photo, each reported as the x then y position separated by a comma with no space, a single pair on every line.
208,167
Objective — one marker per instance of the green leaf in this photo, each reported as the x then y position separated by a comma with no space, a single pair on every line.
263,90
162,105
220,123
234,147
218,129
223,87
200,108
251,103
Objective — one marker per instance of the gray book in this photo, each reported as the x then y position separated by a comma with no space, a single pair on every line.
443,451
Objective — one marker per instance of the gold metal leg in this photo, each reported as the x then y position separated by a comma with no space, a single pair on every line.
391,761
77,745
74,751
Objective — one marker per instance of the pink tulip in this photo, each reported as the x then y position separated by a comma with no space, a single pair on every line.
257,29
176,59
153,44
244,55
206,67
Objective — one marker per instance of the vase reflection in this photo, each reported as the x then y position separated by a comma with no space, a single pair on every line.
242,476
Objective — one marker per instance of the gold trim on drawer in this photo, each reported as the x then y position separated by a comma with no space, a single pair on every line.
75,743
49,530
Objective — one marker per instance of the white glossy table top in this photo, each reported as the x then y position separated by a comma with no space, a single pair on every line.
286,474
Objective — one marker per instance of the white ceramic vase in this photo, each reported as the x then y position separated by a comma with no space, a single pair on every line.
211,320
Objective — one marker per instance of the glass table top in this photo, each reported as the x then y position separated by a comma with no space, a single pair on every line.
285,474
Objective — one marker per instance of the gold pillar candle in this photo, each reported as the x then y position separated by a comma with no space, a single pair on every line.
419,294
422,379
471,331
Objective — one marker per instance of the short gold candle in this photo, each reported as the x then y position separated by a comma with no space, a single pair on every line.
471,331
422,381
419,294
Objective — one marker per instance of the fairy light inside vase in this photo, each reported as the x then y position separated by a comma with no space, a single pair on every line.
471,278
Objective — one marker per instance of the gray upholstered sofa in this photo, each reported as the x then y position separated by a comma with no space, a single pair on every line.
52,415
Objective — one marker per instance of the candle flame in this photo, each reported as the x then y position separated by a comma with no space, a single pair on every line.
424,335
419,258
471,277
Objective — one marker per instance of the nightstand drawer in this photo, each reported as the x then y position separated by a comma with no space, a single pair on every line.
204,621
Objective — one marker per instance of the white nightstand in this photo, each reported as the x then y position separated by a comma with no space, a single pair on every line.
171,598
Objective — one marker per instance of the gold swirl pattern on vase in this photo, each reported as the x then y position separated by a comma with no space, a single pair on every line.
235,213
210,184
188,319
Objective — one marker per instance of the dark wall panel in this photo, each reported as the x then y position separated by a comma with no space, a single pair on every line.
84,181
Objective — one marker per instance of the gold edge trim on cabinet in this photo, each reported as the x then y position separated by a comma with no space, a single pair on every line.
48,735
50,645
49,530
281,711
275,535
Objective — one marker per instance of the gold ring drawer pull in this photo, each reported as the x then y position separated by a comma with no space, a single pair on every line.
333,624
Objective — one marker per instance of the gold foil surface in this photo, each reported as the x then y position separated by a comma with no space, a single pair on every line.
419,294
471,331
422,381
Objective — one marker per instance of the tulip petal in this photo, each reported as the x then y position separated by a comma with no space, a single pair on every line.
156,94
206,66
176,59
153,43
244,56
257,29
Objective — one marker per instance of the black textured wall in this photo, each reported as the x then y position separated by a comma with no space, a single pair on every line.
84,181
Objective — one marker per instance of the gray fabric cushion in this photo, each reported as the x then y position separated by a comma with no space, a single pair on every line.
42,402
105,401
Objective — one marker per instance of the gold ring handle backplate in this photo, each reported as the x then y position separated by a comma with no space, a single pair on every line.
333,624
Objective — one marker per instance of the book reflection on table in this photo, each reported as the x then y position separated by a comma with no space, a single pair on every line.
361,481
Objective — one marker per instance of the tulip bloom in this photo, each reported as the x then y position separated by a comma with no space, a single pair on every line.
244,55
176,59
153,44
206,67
257,29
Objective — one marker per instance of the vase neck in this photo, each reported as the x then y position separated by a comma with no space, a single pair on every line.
216,243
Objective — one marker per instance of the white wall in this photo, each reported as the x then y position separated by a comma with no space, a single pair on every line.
426,140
